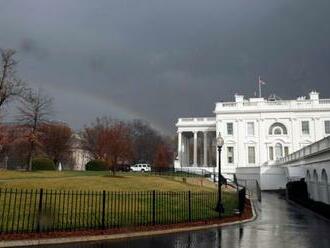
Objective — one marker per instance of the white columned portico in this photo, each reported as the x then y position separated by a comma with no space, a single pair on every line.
195,148
192,132
205,148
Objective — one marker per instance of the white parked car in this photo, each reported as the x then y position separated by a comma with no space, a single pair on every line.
141,167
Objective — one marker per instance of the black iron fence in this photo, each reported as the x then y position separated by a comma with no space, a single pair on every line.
186,172
252,187
57,210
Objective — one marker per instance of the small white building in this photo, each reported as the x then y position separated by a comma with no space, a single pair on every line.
80,156
256,131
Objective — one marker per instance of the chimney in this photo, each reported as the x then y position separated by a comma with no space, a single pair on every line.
314,96
239,98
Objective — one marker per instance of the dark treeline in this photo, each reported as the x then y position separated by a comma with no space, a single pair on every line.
125,142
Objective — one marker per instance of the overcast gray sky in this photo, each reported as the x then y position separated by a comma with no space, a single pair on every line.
160,60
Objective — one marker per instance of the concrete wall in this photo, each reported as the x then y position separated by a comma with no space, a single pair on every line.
269,178
313,164
248,173
272,178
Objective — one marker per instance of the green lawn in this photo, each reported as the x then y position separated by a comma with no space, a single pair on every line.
89,180
75,200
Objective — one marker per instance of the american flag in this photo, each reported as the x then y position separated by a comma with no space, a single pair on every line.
261,81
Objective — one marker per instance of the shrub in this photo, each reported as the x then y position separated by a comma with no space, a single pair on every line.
96,165
43,164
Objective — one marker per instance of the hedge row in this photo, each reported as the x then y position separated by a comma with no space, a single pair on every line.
43,164
96,165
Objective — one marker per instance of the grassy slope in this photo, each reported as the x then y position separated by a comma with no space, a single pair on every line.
99,181
171,207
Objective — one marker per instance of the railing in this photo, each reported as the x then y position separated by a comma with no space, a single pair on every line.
45,210
229,104
324,101
316,147
180,172
252,186
288,103
198,119
250,103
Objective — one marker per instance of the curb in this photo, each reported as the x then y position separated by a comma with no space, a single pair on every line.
296,204
52,241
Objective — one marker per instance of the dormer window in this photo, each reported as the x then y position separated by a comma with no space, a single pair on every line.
277,129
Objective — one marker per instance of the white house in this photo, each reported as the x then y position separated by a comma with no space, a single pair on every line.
256,131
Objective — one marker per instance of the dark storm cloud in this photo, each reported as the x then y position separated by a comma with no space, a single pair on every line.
159,60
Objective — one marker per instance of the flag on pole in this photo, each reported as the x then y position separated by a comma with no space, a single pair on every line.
261,82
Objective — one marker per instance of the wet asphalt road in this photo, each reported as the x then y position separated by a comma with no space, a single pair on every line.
279,224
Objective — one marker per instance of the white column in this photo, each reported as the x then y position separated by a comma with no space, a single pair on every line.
184,151
291,132
315,131
205,148
188,152
195,149
180,148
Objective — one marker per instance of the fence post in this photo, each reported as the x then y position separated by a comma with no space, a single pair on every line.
238,193
258,191
40,210
103,210
154,207
189,205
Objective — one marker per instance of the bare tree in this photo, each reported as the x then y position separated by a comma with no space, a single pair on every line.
163,156
10,86
118,148
145,141
109,140
34,110
92,137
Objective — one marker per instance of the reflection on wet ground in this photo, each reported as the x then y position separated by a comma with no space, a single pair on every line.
279,224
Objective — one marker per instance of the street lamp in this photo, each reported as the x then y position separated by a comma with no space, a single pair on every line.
219,208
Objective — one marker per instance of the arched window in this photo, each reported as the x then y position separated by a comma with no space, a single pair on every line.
324,187
324,176
278,151
315,186
277,129
308,176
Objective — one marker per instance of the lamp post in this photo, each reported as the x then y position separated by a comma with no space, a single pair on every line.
219,208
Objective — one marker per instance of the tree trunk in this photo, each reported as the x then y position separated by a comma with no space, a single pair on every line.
30,156
113,166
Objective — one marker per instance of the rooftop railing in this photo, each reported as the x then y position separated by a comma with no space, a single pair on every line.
199,119
287,103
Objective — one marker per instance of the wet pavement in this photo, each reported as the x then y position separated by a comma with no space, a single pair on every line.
279,224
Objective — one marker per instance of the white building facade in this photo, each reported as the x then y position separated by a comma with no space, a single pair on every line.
256,132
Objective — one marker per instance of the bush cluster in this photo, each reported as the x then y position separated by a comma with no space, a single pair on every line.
96,165
43,164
